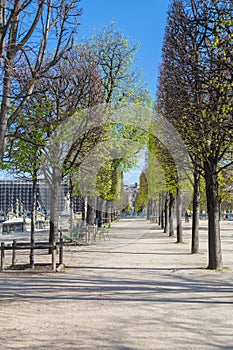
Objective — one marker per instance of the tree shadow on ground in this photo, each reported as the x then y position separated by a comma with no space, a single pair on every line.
133,285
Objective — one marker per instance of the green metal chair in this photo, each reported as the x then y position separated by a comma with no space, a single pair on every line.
103,232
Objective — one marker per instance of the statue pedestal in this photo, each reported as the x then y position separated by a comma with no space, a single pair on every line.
65,219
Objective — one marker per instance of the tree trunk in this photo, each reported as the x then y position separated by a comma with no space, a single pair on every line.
8,69
220,207
33,219
71,209
155,213
5,105
99,212
160,206
162,211
108,212
171,212
196,212
214,241
83,209
54,212
179,216
148,209
90,211
166,214
104,211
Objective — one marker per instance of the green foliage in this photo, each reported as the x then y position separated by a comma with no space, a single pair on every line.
156,178
28,136
203,202
225,180
108,180
162,169
142,195
127,209
114,55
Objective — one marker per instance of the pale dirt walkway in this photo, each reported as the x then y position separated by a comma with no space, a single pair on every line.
140,290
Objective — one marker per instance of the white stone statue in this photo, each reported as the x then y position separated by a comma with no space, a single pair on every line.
67,202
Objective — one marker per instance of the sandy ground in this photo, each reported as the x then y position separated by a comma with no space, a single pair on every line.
140,290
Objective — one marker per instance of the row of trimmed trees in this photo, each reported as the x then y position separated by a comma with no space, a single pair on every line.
195,93
195,97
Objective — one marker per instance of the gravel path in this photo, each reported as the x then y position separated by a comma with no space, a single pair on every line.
140,290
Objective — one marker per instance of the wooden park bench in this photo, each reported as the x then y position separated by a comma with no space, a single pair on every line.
15,246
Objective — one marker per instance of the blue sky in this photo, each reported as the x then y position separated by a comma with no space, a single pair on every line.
143,21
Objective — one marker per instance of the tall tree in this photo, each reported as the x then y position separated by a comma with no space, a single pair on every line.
172,183
115,56
49,117
34,36
195,93
121,84
22,158
142,195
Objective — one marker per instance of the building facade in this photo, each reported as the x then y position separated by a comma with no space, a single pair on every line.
16,197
